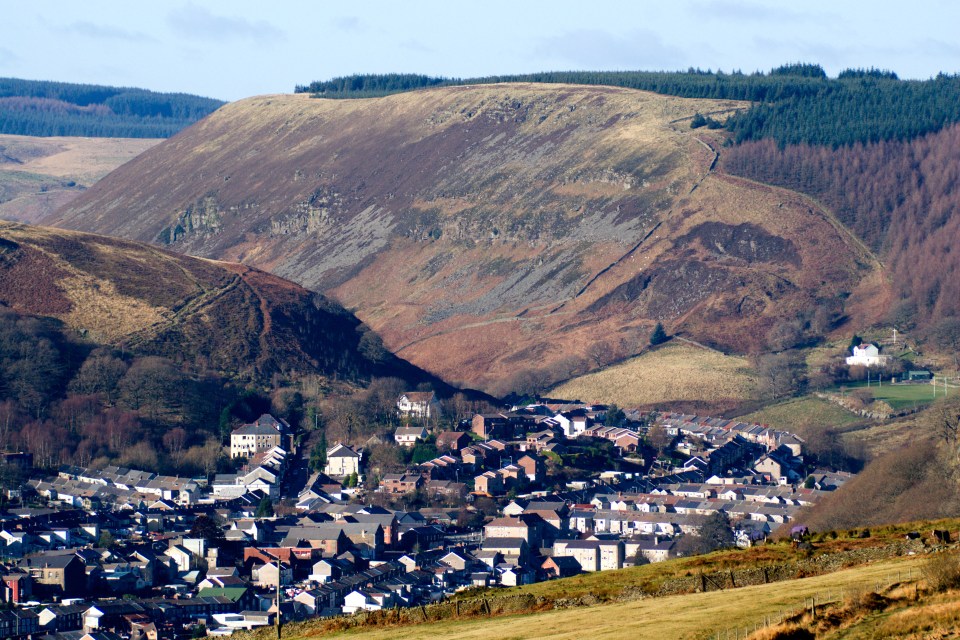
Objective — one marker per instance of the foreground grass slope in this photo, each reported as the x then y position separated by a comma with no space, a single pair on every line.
698,615
626,603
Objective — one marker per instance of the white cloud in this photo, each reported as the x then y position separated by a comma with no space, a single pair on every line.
195,21
106,32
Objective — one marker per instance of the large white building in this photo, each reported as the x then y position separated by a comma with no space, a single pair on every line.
418,404
867,355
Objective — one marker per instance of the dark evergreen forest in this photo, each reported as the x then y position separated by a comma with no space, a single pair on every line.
41,108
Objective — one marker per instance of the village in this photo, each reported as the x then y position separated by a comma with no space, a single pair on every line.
545,490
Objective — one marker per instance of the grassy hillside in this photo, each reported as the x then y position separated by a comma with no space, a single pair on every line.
553,224
796,413
632,602
793,103
677,373
39,175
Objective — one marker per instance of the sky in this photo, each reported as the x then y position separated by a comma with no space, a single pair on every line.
240,48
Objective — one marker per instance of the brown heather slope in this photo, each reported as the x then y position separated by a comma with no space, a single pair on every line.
38,175
486,230
235,319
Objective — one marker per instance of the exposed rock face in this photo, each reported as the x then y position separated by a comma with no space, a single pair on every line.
482,230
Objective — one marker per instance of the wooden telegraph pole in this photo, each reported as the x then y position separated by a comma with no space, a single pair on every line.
279,580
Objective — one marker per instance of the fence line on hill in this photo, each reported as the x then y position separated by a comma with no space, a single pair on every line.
814,603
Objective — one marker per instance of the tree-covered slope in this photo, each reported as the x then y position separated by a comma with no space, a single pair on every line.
43,108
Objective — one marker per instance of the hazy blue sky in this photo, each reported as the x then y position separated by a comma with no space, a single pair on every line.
237,48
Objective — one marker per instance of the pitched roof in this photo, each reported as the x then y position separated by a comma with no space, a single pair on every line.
342,451
418,396
255,430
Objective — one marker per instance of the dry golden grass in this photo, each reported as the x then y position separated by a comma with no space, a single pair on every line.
108,315
675,372
36,180
699,615
85,160
786,631
933,620
802,412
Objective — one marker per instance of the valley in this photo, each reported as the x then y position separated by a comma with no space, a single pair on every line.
40,175
247,355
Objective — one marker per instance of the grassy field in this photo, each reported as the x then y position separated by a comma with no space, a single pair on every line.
675,372
901,396
699,615
800,412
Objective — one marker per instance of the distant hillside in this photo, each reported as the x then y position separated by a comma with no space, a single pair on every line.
39,175
236,320
551,224
43,108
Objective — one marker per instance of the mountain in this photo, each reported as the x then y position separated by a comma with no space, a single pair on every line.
39,175
231,318
502,233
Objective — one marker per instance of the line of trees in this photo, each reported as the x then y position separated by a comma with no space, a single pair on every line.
69,402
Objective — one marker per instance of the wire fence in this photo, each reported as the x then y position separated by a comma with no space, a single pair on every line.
813,604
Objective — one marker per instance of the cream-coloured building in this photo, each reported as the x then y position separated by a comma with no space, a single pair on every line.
264,434
342,461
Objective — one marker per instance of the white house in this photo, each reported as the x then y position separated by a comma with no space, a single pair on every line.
408,436
370,599
342,461
418,404
867,355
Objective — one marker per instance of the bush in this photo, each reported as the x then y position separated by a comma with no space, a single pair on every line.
942,571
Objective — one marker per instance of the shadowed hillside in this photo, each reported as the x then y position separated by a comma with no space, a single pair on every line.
553,225
233,319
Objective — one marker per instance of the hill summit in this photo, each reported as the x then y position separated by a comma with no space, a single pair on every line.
234,319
